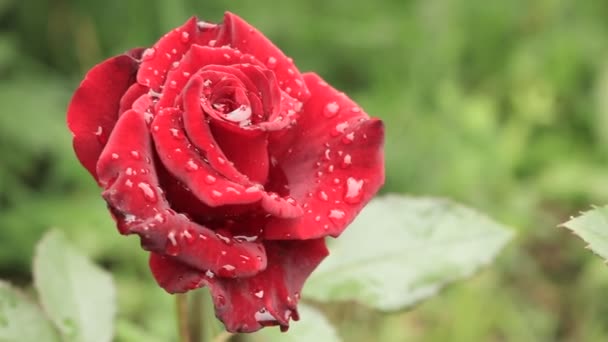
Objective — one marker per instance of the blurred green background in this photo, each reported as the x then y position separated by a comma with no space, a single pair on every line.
501,105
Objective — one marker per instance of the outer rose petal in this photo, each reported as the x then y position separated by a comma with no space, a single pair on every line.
248,304
334,164
94,108
131,190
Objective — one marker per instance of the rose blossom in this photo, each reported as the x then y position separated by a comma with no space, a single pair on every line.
230,165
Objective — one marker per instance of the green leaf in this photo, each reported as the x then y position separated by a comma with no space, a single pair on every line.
312,326
592,227
401,250
21,319
79,297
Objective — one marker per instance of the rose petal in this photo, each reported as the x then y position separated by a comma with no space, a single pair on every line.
132,94
94,108
192,62
199,133
159,59
242,36
132,192
248,304
333,161
182,160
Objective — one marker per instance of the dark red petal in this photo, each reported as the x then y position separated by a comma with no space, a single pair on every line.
131,189
194,60
248,304
183,161
242,36
132,94
159,59
249,153
199,133
334,163
94,108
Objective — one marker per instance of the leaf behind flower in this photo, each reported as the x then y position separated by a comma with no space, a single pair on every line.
79,297
401,250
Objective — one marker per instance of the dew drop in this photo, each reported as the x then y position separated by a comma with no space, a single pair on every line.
191,165
336,216
355,109
353,191
135,155
348,138
323,196
148,54
114,156
346,162
216,194
331,109
259,294
339,129
185,37
148,192
271,63
172,248
209,179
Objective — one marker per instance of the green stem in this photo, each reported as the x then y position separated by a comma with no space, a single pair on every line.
197,316
181,308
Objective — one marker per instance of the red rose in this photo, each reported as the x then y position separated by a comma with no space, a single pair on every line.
230,164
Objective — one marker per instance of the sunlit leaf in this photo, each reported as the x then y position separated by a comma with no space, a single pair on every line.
592,227
78,296
21,319
401,250
312,326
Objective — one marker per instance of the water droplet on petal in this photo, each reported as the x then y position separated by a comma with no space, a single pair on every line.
355,109
185,37
323,196
346,162
209,179
271,63
148,192
148,54
216,194
114,156
336,216
172,248
135,155
259,294
331,109
191,165
353,191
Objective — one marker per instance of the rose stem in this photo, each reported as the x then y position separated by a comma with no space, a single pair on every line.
196,316
181,308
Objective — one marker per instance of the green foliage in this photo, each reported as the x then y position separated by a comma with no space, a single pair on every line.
312,326
79,297
21,319
401,250
592,227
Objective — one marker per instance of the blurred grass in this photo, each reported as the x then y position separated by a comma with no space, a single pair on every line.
500,105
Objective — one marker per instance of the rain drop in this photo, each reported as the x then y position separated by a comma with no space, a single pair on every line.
148,192
271,63
346,162
191,165
323,196
336,215
331,109
148,54
353,192
185,37
209,179
135,155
